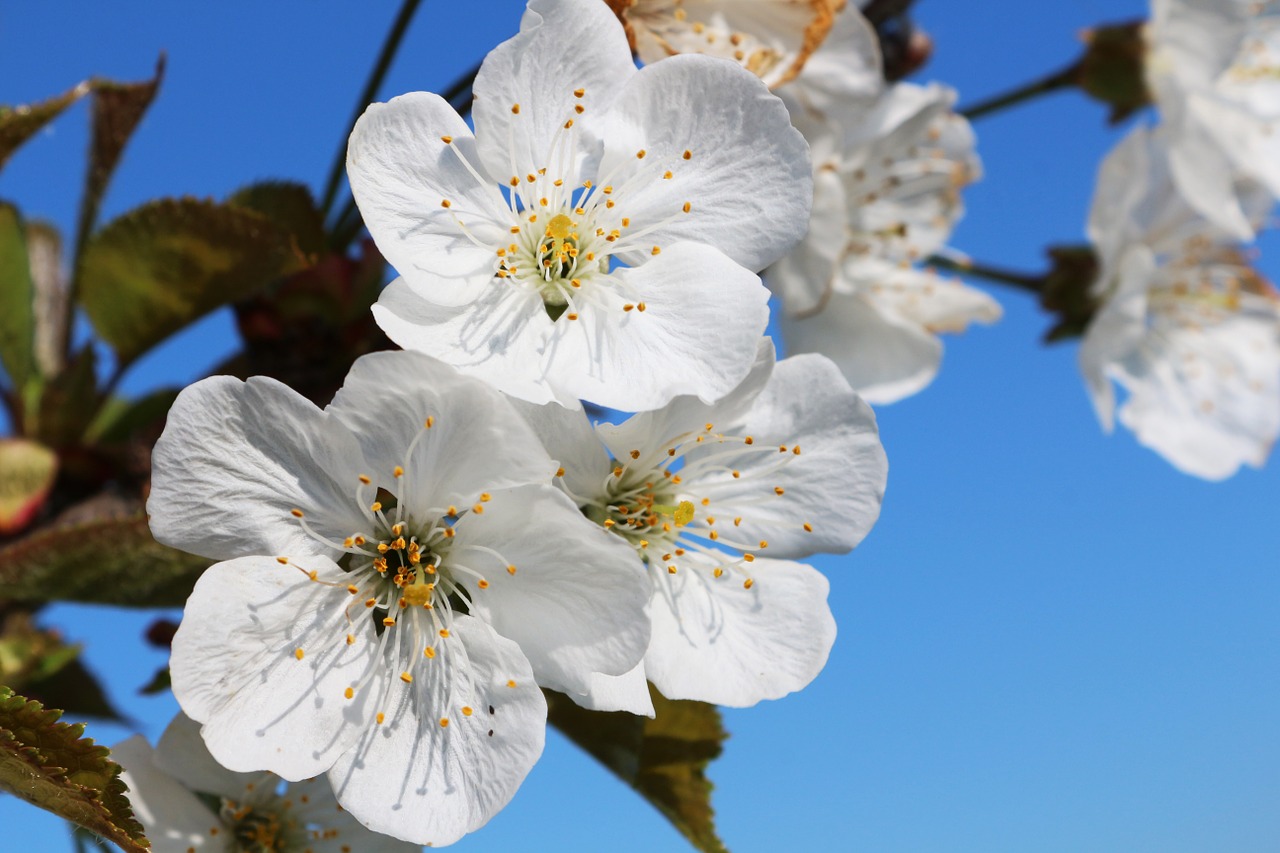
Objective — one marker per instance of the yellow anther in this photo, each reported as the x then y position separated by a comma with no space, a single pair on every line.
609,522
748,440
578,93
389,621
511,569
477,509
579,109
466,711
679,552
369,602
808,528
714,535
737,474
666,176
764,543
706,501
284,561
560,471
748,583
515,109
782,448
511,684
298,653
360,540
482,583
296,513
687,207
352,589
644,543
640,306
750,558
796,450
383,547
349,692
778,490
365,480
617,471
671,569
381,716
376,506
444,632
568,124
429,422
543,201
640,154
429,651
397,471
515,182
628,307
684,513
348,542
447,140
687,154
718,572
351,639
449,533
444,202
572,316
444,722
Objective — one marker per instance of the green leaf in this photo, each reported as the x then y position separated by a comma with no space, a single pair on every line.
27,472
18,124
120,417
49,764
157,268
67,401
17,299
116,110
665,759
289,207
159,683
100,552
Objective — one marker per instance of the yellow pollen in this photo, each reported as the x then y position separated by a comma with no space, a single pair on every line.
449,533
808,528
764,543
446,139
351,639
477,509
406,678
679,552
568,124
578,93
511,570
511,684
656,250
684,513
748,583
381,716
429,651
444,632
579,109
376,506
778,490
389,621
671,570
782,448
714,536
296,513
748,440
560,471
640,154
347,543
297,653
429,422
687,154
482,583
397,471
687,207
349,693
360,540
383,547
796,450
628,307
626,221
444,202
284,561
444,722
609,522
608,188
531,178
515,182
750,558
718,572
466,710
352,589
515,109
737,474
369,602
365,480
666,176
572,316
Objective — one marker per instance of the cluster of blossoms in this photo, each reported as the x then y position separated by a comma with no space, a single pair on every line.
403,572
1186,325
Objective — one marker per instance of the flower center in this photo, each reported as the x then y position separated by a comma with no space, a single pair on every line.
259,830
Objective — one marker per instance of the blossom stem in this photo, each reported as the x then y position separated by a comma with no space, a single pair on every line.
1017,280
389,47
1063,79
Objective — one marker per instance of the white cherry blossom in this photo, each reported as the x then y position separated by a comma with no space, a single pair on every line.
1186,326
597,236
717,501
770,38
170,788
888,171
1213,68
399,577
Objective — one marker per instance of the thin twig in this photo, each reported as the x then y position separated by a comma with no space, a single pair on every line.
1063,79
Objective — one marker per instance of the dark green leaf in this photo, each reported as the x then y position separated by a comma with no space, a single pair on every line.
290,208
665,759
101,554
119,418
17,317
49,764
74,689
169,262
67,401
18,124
159,683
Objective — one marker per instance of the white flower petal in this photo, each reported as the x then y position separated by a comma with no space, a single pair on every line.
415,779
172,817
402,173
747,176
236,665
884,358
525,90
182,754
236,457
836,482
688,340
498,338
804,277
628,692
333,829
847,70
715,641
476,442
575,603
570,439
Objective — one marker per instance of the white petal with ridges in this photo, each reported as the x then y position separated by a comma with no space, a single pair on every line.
174,820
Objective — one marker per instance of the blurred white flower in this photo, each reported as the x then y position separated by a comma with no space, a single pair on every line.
597,237
770,38
889,164
188,803
400,576
1186,326
1213,68
787,465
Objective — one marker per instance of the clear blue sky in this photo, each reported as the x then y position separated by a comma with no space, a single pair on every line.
1052,641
